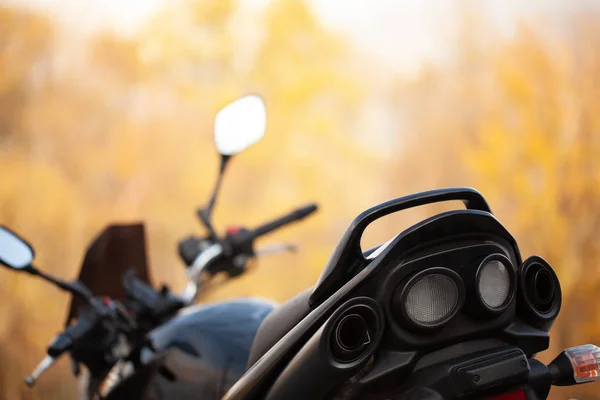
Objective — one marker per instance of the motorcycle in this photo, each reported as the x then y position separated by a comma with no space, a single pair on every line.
446,310
139,342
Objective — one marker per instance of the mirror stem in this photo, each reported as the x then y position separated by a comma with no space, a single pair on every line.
57,282
205,214
74,288
213,199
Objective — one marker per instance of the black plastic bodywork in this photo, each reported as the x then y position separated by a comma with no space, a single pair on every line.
455,240
198,354
347,256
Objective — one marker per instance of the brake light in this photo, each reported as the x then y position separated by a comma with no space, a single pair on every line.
516,395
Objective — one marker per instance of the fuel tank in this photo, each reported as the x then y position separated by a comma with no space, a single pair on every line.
199,354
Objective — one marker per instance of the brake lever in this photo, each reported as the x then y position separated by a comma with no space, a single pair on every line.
42,367
277,248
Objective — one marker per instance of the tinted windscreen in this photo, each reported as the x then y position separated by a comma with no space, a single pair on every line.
113,252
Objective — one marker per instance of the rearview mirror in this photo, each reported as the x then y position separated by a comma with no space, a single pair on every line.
240,124
15,252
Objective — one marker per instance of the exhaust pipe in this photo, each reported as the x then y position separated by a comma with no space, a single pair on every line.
541,290
539,293
351,334
340,349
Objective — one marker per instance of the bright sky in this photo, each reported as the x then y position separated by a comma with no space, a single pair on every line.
402,32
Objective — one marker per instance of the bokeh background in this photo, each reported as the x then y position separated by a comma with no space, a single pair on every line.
106,111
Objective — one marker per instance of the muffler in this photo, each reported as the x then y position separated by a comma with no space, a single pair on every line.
540,296
340,349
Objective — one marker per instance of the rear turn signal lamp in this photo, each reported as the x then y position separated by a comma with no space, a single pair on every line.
585,361
576,365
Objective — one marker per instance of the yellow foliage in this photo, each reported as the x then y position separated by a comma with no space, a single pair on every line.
125,134
529,140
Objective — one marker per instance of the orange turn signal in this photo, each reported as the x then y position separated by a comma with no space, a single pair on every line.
585,361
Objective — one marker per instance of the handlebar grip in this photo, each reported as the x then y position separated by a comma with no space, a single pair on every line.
81,327
295,215
140,290
159,304
64,341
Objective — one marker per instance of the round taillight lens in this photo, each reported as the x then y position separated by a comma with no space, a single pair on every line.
430,298
495,283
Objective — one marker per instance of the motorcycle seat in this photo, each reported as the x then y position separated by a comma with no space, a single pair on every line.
278,323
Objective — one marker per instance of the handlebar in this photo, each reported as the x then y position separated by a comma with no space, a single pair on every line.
140,290
206,255
62,342
157,304
107,329
295,215
190,247
244,239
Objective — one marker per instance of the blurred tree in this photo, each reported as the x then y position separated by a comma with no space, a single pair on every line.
122,131
539,147
310,151
520,123
312,97
537,158
25,45
26,61
189,47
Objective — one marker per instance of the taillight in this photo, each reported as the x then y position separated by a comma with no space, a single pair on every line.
516,395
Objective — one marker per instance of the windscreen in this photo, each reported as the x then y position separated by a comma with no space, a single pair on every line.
117,249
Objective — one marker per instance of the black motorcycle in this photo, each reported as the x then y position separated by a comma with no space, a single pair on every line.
446,310
139,342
